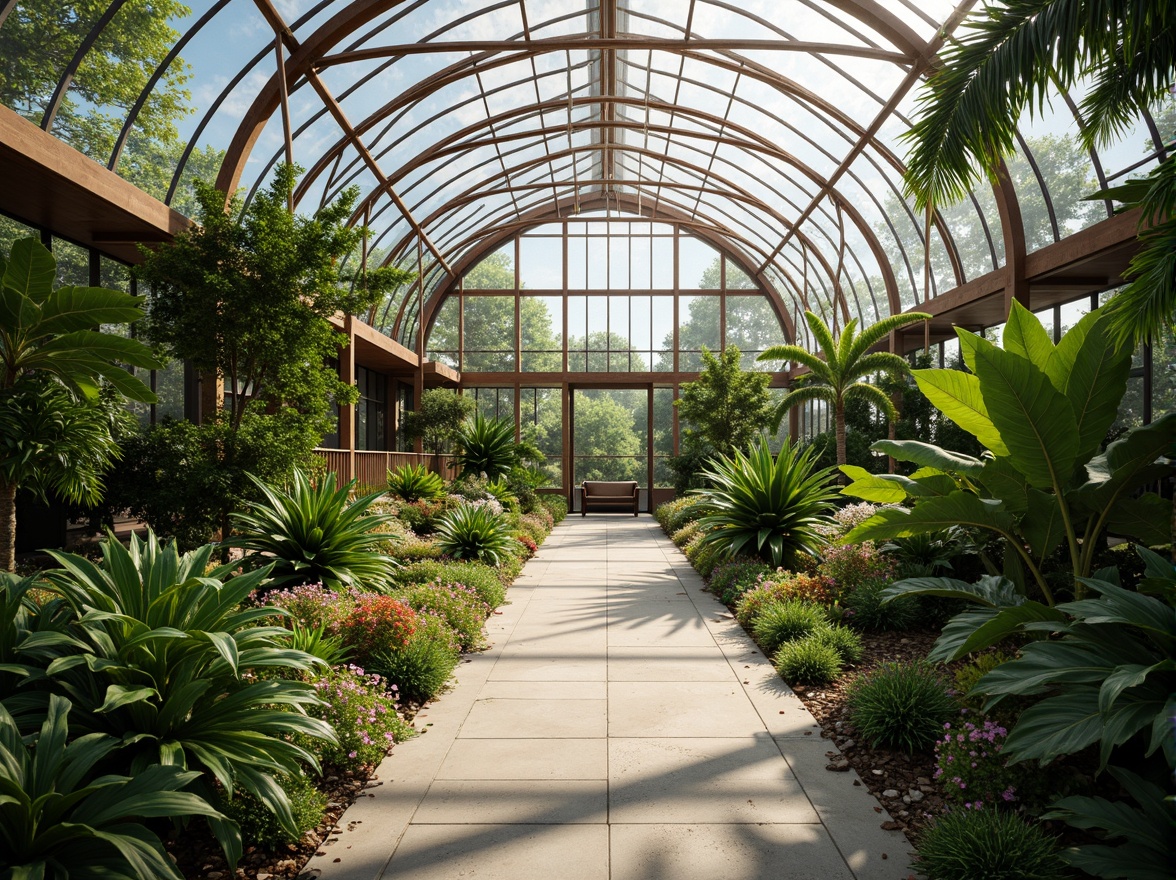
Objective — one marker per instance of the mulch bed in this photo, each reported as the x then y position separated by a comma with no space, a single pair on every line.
902,783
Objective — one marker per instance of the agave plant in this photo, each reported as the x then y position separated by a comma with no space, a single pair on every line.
315,534
773,508
486,446
474,532
57,820
414,482
162,663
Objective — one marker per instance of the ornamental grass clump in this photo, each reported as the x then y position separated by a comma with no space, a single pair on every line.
843,640
768,506
786,621
362,709
901,706
377,623
865,610
460,606
987,845
808,661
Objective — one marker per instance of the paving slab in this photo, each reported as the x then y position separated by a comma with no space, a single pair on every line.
621,726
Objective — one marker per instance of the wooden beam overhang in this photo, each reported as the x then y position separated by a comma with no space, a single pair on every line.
49,184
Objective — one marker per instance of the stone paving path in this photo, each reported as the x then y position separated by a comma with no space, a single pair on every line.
622,727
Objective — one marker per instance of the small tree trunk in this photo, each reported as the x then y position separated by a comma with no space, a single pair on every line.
839,419
7,526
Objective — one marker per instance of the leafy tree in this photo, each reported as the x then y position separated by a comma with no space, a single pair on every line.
843,373
604,429
246,295
1007,58
438,420
54,433
727,407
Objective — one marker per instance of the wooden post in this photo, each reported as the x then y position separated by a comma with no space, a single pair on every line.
347,413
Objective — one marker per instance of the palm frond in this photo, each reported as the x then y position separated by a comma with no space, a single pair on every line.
824,338
796,355
874,395
878,362
1132,80
875,333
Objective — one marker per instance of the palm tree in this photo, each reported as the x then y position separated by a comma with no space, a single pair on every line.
844,369
54,431
1005,59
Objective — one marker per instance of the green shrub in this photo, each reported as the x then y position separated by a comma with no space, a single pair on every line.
703,556
664,511
362,710
971,672
422,667
773,507
556,505
313,605
851,565
864,609
781,622
460,606
686,534
258,825
808,661
415,549
375,623
688,509
469,532
989,844
414,482
902,706
972,771
843,640
534,527
732,579
481,578
314,534
420,516
781,587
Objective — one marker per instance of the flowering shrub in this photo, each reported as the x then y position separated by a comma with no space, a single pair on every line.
853,515
781,586
732,579
314,605
376,623
851,565
970,768
420,515
363,713
458,605
527,543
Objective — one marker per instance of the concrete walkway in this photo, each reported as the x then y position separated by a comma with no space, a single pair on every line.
622,727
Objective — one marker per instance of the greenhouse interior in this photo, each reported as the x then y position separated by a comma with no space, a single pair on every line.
742,435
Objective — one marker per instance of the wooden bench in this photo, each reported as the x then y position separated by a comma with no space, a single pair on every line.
598,494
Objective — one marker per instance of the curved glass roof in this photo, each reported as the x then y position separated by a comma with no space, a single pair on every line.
775,128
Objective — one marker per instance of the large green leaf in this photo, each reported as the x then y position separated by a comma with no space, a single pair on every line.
1128,463
1146,518
995,592
957,395
84,308
1035,421
1003,481
30,270
1055,726
934,514
1043,525
871,487
1025,337
1091,370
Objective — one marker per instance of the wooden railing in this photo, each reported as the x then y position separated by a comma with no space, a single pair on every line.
371,468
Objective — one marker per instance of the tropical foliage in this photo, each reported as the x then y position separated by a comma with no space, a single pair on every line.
315,534
474,532
412,482
52,366
842,371
58,818
768,506
1008,59
1042,412
486,446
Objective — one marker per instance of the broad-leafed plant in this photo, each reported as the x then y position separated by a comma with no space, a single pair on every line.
486,446
315,534
59,819
771,507
1042,412
164,664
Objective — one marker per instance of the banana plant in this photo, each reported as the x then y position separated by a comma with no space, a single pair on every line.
1042,412
58,820
164,668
